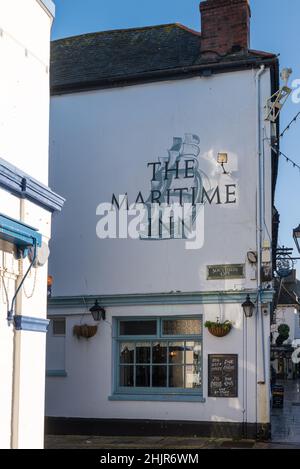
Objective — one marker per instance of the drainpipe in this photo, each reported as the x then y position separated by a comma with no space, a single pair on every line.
260,217
17,304
259,238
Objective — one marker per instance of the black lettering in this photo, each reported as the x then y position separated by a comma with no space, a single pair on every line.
139,199
176,169
189,168
230,194
155,198
210,200
116,202
181,193
154,169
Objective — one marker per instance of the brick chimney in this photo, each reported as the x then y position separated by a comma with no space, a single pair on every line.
225,27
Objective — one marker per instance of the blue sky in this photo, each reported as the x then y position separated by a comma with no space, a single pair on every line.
274,28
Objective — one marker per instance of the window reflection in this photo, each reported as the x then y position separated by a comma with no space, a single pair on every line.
192,377
159,376
159,352
192,353
181,326
176,352
143,376
143,351
176,376
126,376
138,327
161,364
127,353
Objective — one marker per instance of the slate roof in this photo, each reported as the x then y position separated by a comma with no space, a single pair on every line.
111,57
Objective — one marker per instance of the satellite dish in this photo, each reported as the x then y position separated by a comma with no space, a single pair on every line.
42,255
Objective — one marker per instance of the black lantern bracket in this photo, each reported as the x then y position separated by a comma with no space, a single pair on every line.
98,312
248,307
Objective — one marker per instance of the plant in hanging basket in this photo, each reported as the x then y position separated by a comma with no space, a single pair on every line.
84,330
219,329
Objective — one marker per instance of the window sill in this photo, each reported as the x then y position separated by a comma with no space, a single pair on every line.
56,374
157,397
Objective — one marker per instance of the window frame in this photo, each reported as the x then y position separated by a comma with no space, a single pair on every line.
164,392
61,319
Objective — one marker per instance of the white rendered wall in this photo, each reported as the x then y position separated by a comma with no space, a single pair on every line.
24,86
101,142
90,364
24,123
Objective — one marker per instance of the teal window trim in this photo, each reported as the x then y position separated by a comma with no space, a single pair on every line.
19,234
152,393
157,397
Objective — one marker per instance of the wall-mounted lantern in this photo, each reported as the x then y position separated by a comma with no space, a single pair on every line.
98,312
248,307
296,236
223,159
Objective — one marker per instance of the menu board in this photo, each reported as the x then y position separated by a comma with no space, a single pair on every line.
223,376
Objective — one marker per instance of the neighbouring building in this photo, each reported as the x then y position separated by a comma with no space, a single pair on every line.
146,118
26,205
287,312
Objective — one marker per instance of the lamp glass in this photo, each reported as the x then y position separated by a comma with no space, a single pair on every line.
296,236
97,312
296,232
248,307
222,158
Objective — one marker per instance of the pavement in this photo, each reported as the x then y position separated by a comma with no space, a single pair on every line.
285,433
286,421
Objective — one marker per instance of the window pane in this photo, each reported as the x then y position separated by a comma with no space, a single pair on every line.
159,352
192,353
143,376
127,353
138,327
159,376
176,352
182,326
192,377
59,326
143,350
126,376
176,376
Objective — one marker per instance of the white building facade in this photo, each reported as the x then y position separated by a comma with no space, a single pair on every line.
153,126
26,205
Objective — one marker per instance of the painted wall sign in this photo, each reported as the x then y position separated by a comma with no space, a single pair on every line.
219,272
177,178
223,376
173,208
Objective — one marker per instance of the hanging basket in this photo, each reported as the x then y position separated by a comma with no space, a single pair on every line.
219,329
85,331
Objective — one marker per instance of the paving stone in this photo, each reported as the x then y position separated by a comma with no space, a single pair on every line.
286,421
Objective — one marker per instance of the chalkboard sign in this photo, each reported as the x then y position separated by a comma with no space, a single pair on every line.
223,376
278,397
